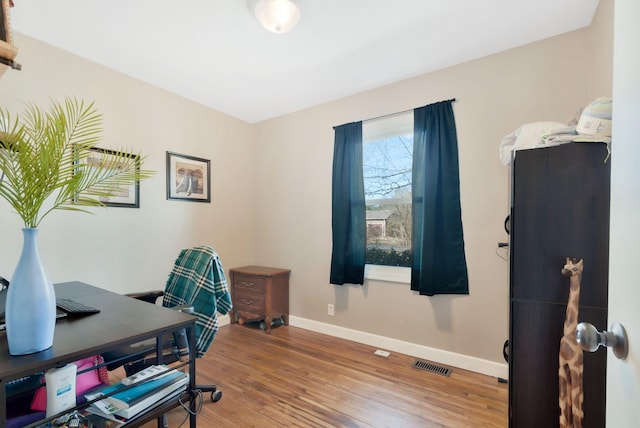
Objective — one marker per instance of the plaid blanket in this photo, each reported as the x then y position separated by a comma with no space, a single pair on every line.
197,279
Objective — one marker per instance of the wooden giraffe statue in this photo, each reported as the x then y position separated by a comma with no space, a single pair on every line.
571,365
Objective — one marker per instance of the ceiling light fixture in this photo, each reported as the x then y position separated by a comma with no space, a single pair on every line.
277,16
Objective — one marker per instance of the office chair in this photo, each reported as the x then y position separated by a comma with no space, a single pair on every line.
197,285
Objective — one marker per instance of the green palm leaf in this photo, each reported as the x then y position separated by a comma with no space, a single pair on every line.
44,161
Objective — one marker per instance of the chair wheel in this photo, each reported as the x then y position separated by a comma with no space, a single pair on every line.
216,396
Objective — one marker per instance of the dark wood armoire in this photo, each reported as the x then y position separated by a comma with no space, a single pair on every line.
559,209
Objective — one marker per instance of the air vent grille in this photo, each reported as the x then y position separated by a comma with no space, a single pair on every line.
423,365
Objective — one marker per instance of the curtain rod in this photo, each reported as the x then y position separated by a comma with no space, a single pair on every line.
405,111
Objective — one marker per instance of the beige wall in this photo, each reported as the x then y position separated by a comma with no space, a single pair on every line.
272,186
549,80
600,50
124,249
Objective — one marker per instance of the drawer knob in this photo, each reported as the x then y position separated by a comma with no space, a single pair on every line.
247,284
247,302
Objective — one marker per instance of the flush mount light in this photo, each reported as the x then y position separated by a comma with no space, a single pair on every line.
277,16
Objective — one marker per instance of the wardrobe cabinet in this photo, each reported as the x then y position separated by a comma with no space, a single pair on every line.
559,209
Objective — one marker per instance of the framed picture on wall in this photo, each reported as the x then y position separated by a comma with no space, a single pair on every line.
126,196
5,22
7,51
188,178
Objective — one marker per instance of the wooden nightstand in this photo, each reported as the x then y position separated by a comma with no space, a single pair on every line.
260,294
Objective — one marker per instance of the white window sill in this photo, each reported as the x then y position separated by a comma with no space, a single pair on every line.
388,273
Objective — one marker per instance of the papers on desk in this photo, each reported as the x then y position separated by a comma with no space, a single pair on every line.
128,403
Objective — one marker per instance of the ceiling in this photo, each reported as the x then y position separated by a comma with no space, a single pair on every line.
216,53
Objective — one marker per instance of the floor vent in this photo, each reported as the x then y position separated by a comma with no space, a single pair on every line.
423,365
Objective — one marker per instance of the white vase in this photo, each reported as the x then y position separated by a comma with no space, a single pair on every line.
31,302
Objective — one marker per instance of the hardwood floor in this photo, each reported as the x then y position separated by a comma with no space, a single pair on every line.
297,378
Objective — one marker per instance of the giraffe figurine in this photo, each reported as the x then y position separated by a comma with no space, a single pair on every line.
571,364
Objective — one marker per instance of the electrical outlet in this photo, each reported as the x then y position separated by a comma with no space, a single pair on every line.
330,311
382,353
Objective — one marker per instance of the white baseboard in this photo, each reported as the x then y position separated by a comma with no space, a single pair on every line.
223,320
489,368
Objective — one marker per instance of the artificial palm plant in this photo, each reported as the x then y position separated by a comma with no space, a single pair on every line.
43,161
46,165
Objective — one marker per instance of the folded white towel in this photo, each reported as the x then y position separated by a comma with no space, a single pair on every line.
528,136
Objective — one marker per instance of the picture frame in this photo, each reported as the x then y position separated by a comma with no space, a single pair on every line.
8,51
129,196
5,22
188,178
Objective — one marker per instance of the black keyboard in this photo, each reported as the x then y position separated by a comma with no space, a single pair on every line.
23,384
59,314
75,308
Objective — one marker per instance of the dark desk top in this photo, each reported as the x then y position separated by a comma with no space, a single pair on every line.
121,320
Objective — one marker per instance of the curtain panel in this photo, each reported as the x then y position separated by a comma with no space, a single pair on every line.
439,264
348,207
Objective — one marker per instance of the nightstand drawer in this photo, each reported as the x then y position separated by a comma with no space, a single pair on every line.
248,302
249,285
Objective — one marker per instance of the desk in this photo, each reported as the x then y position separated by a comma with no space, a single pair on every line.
121,321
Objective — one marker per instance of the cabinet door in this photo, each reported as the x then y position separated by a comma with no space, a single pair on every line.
560,208
533,371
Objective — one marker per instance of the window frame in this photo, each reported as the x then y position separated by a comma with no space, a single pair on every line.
393,125
399,274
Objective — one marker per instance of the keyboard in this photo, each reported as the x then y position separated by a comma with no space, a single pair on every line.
75,308
59,314
23,384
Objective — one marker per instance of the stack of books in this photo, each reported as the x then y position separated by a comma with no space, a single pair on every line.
122,402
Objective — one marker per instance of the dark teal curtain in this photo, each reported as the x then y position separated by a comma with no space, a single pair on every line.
439,264
348,206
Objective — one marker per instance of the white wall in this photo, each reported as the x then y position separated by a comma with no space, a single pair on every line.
125,249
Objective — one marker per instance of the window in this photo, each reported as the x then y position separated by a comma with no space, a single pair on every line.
387,160
438,262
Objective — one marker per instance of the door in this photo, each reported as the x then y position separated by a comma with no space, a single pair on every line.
623,377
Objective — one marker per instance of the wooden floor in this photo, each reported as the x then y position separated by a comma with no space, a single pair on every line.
297,378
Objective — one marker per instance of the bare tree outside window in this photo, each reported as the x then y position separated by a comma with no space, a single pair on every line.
387,162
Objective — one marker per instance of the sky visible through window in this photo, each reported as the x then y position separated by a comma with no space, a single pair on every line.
387,166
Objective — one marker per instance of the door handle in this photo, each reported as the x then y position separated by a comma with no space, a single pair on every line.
589,339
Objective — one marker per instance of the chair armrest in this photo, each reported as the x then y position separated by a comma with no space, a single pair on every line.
152,296
187,309
180,337
147,296
4,283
